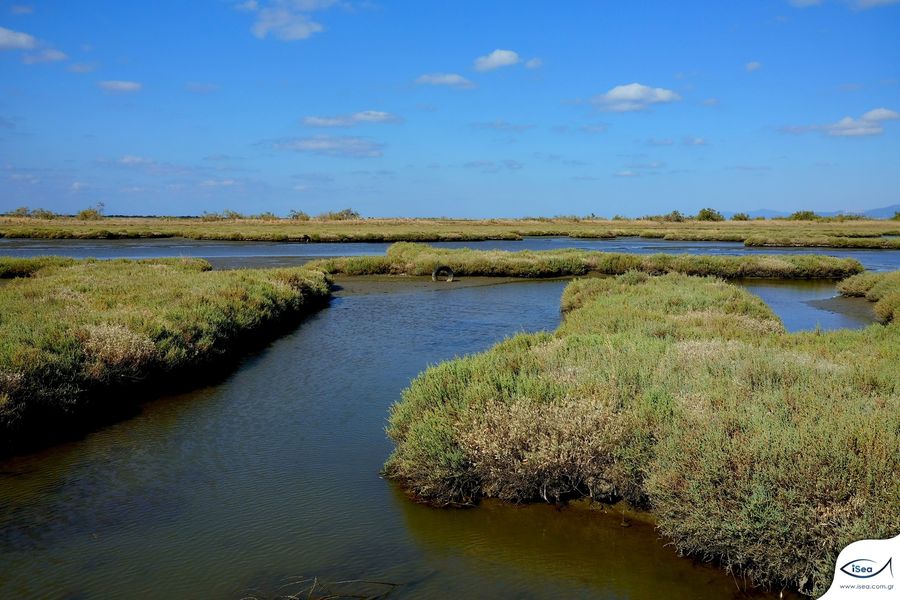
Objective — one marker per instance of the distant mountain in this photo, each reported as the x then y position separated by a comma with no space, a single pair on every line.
885,212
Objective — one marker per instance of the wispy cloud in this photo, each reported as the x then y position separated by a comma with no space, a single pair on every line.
359,118
869,124
633,97
490,166
660,142
627,174
147,165
753,66
591,128
497,59
82,67
21,9
448,79
16,40
501,125
48,55
648,166
285,20
694,141
534,63
121,87
219,183
324,145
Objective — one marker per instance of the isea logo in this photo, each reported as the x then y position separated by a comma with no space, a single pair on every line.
863,568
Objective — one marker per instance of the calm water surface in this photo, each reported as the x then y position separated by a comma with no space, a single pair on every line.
272,475
259,254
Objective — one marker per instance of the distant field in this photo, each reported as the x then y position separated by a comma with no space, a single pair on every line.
851,233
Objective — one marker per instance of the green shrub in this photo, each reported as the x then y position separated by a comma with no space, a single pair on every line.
804,215
709,214
346,214
44,214
740,216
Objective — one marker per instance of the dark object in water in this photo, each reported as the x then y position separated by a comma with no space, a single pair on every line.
442,271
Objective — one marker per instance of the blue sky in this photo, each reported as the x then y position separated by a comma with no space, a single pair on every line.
470,109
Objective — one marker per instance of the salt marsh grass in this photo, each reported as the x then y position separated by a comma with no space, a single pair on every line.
75,331
405,258
765,451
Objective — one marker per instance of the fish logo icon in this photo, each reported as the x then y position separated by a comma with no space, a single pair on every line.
863,568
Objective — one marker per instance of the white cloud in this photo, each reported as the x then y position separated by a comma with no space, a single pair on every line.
448,79
501,125
490,166
82,67
48,55
694,141
871,123
21,9
16,40
285,25
650,166
711,102
218,183
286,20
805,3
130,160
753,66
496,59
122,87
534,63
344,146
627,174
147,165
366,116
633,97
881,114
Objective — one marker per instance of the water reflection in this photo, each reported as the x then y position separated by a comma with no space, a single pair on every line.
267,254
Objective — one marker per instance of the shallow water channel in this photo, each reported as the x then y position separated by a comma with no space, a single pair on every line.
248,486
223,254
268,479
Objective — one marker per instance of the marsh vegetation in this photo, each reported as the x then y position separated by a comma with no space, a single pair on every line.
73,332
404,258
765,451
348,226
